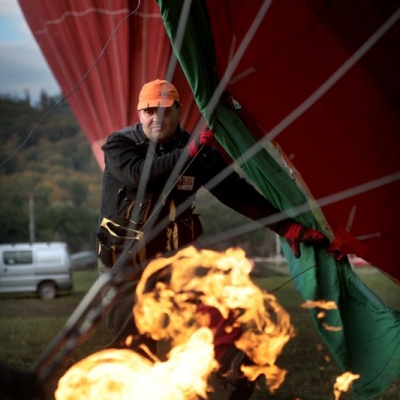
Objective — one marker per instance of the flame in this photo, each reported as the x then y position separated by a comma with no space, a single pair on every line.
343,383
219,280
168,296
325,305
332,328
123,374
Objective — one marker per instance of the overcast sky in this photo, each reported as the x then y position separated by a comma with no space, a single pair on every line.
22,65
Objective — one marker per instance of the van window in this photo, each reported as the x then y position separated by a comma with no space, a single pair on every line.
17,257
49,256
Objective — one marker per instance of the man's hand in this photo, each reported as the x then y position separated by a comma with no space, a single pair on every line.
297,234
205,138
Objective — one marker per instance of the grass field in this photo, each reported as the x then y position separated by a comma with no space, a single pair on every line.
28,325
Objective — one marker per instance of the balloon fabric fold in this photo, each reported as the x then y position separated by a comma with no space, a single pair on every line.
239,107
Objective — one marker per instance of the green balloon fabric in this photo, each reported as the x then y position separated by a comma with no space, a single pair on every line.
366,338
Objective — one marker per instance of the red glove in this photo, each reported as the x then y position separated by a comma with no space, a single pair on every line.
345,243
205,138
297,234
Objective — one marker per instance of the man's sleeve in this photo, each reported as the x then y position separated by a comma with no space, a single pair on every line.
127,160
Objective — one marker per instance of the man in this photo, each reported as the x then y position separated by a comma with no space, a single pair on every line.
152,172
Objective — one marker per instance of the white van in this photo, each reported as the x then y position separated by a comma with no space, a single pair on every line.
43,268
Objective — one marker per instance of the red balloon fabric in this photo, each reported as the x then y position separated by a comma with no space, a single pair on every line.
101,53
339,126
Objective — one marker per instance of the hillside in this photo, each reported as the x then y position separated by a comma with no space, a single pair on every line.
51,168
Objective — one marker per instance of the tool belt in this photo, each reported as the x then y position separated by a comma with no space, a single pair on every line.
122,239
118,233
116,238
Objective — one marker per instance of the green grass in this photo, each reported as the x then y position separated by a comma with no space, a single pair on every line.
312,371
28,325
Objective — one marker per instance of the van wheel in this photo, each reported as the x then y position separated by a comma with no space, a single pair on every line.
47,290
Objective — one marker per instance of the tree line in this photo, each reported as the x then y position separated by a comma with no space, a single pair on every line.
51,180
53,169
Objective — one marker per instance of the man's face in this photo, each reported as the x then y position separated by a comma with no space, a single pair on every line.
159,123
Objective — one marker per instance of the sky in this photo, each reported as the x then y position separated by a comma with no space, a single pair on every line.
22,65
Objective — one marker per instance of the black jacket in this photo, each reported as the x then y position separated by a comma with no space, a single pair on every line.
131,157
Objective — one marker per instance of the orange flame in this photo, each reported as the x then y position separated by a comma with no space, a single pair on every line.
167,298
343,383
325,305
123,374
220,280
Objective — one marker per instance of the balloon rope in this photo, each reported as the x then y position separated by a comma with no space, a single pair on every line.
52,109
312,99
299,274
80,14
212,104
321,90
